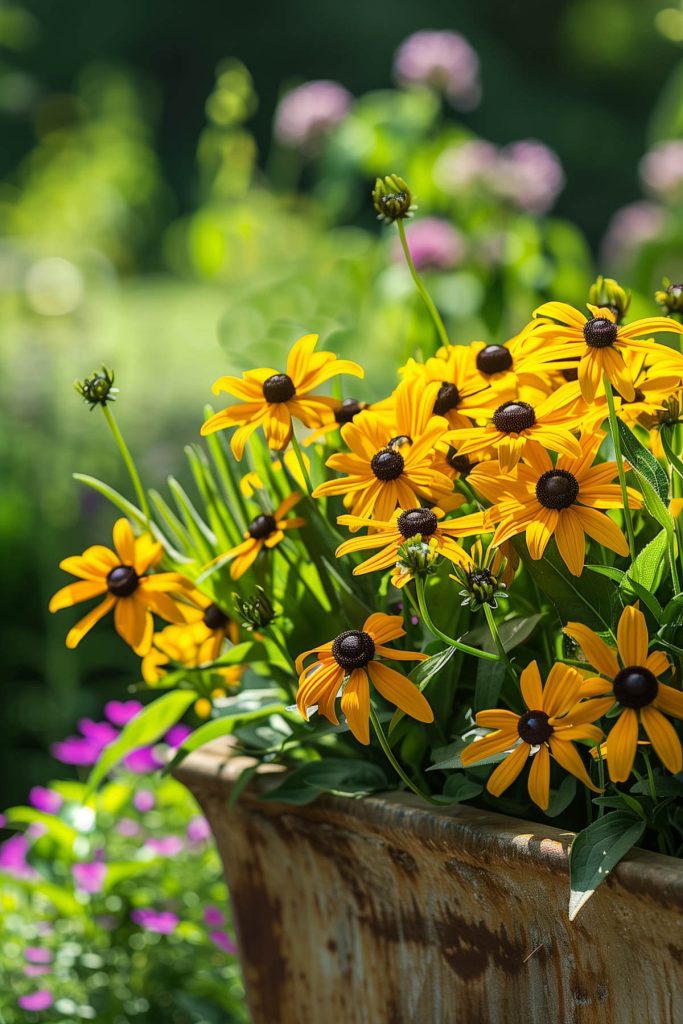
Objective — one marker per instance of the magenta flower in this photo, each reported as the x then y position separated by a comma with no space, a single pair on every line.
529,174
631,227
213,916
198,830
45,800
309,113
143,801
169,846
143,761
461,167
177,735
36,970
223,941
120,712
161,921
445,62
38,955
90,877
433,243
13,853
40,1000
127,827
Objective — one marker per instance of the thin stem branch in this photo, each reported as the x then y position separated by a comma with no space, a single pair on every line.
465,648
130,464
614,430
488,612
419,284
384,744
296,448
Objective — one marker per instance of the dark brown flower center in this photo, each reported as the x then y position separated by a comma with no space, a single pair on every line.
353,649
534,728
513,417
494,359
122,581
600,332
557,489
349,408
262,527
417,520
571,374
460,463
214,617
278,388
481,577
447,398
387,464
635,686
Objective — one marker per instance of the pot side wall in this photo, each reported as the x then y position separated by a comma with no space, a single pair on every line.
382,911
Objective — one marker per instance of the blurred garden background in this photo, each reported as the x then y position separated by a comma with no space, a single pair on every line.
176,203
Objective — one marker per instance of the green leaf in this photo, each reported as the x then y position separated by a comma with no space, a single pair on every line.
146,728
576,598
644,464
62,900
461,788
648,564
330,775
673,613
59,830
489,682
512,632
421,675
453,759
561,797
656,507
671,455
217,727
596,850
630,588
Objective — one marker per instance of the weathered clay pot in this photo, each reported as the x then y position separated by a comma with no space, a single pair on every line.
384,911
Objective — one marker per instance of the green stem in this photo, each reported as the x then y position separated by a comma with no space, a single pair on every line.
296,447
488,612
424,612
650,778
419,284
282,648
614,430
384,744
130,464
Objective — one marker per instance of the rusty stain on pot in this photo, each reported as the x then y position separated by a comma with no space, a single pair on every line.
383,911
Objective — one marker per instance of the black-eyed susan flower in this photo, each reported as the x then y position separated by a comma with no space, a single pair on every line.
462,395
599,343
185,645
271,398
353,656
516,424
422,524
344,411
632,680
391,465
264,531
653,390
514,371
562,500
131,591
554,719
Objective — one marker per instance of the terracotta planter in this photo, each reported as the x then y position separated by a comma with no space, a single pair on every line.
383,911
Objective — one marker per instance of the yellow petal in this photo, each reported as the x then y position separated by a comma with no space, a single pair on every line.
539,778
621,745
531,686
84,625
664,739
400,691
508,770
632,637
595,649
355,704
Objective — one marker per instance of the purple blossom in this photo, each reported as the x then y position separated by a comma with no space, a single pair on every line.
432,243
45,800
444,61
36,971
40,1000
143,801
630,227
90,877
661,170
223,941
460,167
127,827
142,761
530,174
177,735
161,921
76,750
120,712
38,955
13,853
307,114
213,916
99,733
169,846
198,829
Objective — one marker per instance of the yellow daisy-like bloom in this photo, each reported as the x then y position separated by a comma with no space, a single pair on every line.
385,470
272,398
184,645
353,656
555,717
515,371
130,590
462,395
653,388
600,344
405,524
264,531
561,500
633,682
516,424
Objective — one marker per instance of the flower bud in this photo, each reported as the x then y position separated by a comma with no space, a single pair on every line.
98,389
256,611
392,199
671,298
415,557
605,291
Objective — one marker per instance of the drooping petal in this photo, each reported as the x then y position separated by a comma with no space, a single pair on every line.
670,700
400,691
508,770
494,743
134,624
590,372
84,625
531,686
621,745
355,703
561,689
595,649
73,593
601,528
540,530
539,778
566,755
323,648
664,738
383,628
570,540
632,636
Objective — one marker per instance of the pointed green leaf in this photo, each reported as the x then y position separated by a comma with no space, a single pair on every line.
596,850
643,462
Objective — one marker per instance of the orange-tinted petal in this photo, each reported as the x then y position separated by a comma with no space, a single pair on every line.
632,636
508,770
84,625
568,757
621,745
594,648
531,686
73,593
400,691
664,738
670,700
539,778
355,703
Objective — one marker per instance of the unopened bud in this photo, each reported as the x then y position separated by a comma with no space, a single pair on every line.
606,292
392,199
98,389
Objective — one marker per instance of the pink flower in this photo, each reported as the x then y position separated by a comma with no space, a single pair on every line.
177,735
143,801
40,1000
213,916
530,174
143,761
433,243
161,921
662,170
13,853
36,970
444,61
120,712
38,955
90,877
307,114
169,846
198,830
45,800
631,227
223,941
460,167
127,827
